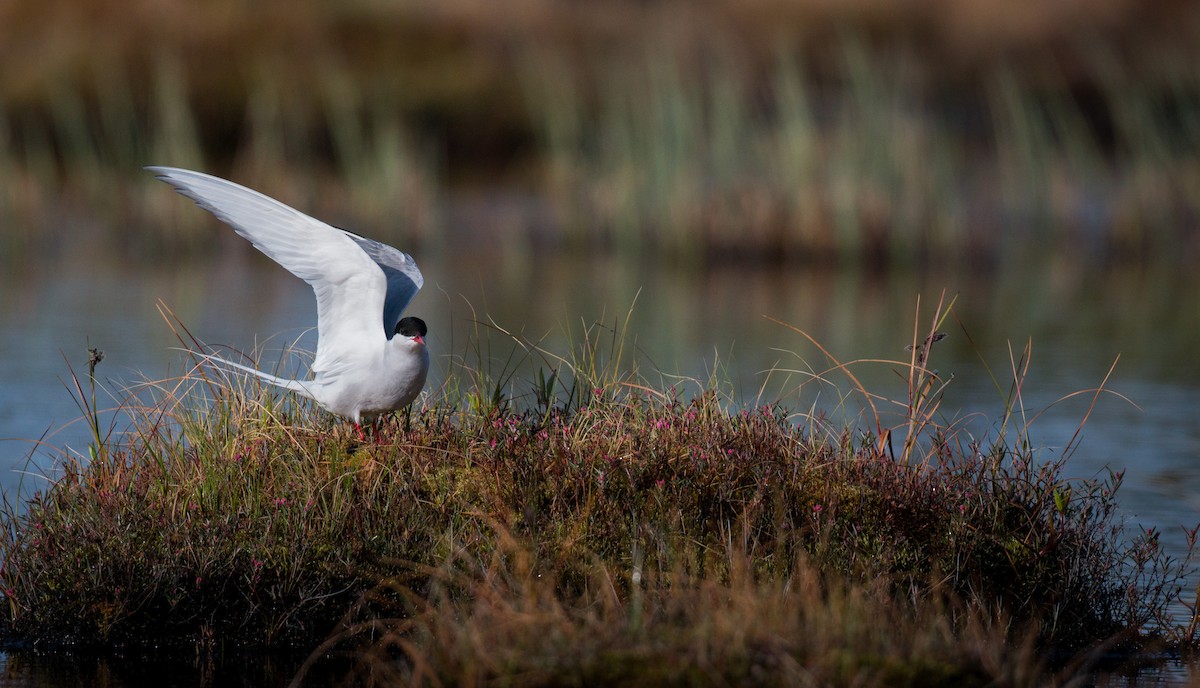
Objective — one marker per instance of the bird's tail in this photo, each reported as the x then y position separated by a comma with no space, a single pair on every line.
294,385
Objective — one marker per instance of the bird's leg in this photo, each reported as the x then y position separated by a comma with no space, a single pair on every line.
362,436
377,426
407,418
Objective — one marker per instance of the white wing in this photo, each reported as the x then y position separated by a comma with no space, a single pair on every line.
350,286
404,280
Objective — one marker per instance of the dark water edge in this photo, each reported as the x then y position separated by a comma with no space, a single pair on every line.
63,667
1157,670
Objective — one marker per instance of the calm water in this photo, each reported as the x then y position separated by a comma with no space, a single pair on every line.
685,322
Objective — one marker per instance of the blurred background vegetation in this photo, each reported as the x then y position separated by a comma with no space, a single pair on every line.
847,130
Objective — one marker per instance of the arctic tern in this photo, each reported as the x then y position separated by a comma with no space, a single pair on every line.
370,361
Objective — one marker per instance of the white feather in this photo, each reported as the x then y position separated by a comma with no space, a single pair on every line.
362,288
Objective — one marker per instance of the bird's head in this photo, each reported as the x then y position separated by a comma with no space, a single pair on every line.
413,329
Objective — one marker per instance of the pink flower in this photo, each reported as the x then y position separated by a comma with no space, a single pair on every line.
817,508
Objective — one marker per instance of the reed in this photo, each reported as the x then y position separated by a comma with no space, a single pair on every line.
706,134
693,156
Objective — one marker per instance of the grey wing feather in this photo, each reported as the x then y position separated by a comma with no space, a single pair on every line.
351,279
404,280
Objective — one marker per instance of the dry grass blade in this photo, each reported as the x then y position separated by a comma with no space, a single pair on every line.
842,368
543,537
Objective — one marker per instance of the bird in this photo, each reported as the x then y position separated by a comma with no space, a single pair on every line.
370,361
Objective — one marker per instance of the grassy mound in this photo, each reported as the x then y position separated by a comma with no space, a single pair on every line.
604,529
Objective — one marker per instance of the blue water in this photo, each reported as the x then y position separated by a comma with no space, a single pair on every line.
682,323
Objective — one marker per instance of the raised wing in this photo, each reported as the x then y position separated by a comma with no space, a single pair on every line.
350,286
404,280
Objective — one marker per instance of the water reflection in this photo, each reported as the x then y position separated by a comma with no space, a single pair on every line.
682,321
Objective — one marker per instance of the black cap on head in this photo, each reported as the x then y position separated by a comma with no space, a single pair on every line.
411,327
